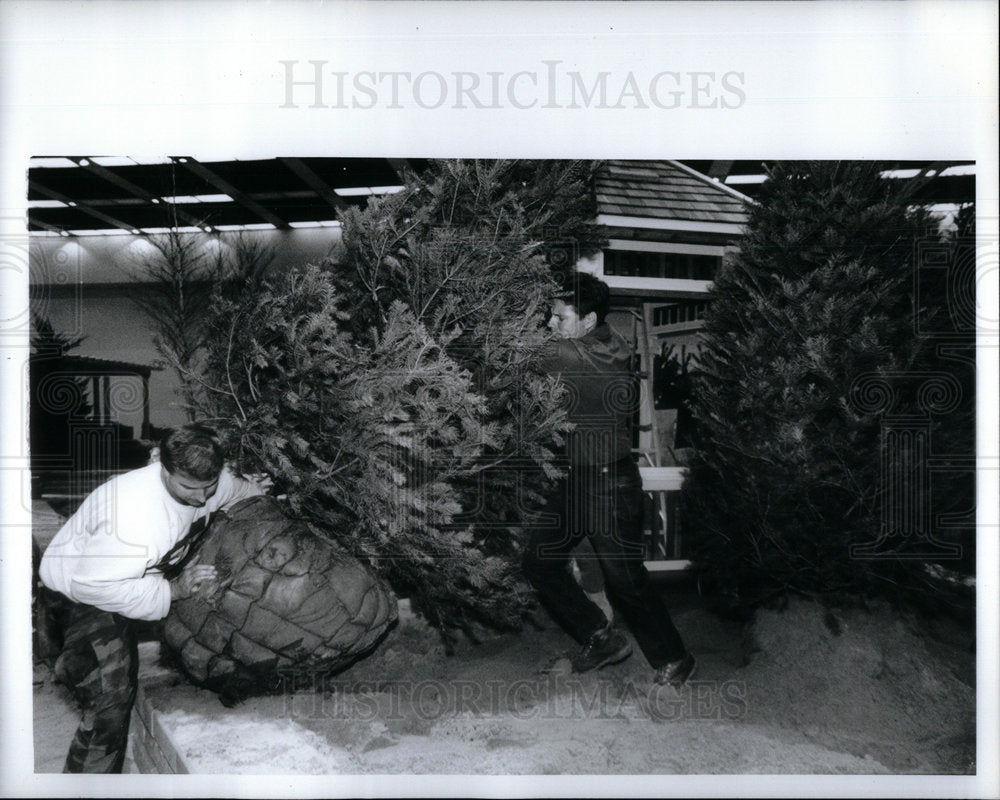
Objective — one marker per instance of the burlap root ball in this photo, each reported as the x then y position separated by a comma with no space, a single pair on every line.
287,601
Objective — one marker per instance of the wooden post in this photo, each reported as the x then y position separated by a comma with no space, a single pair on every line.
95,390
145,407
106,398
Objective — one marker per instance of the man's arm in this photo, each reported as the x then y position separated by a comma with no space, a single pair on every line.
100,556
114,579
234,488
558,356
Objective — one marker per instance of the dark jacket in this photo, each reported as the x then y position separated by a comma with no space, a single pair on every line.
602,395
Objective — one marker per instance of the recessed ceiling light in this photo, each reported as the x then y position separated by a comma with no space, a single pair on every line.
899,173
113,161
199,198
52,162
960,169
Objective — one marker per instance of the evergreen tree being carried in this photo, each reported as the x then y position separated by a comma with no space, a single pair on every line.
392,395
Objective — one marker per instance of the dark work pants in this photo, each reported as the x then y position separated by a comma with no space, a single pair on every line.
99,664
605,505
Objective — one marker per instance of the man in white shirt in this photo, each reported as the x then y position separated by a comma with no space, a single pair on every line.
125,555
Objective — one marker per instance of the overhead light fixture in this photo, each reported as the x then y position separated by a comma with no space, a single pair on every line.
199,198
253,226
959,169
185,229
52,162
46,204
745,179
359,191
113,161
322,223
84,162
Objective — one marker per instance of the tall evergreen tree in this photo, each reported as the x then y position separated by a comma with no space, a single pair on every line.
811,353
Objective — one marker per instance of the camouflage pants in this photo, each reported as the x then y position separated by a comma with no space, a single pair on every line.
99,663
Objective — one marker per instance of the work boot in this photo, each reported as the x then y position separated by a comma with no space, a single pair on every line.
607,646
676,673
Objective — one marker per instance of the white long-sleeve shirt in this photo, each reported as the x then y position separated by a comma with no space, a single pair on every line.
105,553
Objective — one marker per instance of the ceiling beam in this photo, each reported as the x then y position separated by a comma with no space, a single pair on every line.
224,186
81,206
720,169
315,182
137,191
927,174
403,168
44,225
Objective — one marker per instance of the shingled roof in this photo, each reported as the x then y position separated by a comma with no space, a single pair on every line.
88,365
666,190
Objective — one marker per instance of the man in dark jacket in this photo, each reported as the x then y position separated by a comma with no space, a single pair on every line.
600,498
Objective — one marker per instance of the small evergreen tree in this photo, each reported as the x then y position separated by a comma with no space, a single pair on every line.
171,284
787,476
56,397
393,395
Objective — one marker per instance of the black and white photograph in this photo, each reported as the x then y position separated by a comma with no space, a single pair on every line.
403,403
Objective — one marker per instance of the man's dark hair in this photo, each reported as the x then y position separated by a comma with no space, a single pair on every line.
586,293
194,449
